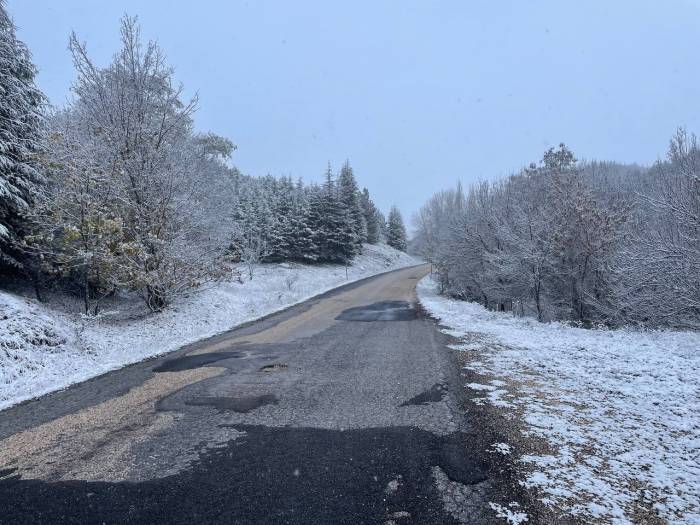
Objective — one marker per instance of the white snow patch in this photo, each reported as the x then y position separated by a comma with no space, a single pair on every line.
480,387
511,516
501,448
42,349
620,408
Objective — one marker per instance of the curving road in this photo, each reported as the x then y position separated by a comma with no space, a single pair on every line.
343,409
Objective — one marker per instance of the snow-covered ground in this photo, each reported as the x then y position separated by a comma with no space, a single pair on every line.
45,349
618,411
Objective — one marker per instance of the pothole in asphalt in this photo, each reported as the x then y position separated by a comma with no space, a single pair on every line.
275,367
436,393
242,404
382,311
189,362
459,466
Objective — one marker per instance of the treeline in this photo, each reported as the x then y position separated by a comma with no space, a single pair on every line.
278,220
116,191
589,242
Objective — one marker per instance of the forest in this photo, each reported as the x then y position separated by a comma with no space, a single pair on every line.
116,191
594,243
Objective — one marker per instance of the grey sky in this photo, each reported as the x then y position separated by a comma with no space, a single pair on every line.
415,94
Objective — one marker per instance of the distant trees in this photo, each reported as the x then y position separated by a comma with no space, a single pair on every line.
587,242
396,231
326,223
20,122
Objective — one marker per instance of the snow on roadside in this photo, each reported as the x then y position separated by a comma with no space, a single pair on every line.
42,349
620,409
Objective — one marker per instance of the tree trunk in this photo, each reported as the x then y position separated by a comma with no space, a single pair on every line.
155,298
86,292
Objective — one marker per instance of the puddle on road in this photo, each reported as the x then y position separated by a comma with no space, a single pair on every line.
241,405
436,393
382,311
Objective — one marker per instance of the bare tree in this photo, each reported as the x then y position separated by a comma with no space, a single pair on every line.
253,249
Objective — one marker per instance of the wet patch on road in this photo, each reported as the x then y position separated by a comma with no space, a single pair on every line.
188,362
436,393
382,311
267,472
242,405
275,367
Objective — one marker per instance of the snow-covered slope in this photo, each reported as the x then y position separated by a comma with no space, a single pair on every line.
619,409
42,349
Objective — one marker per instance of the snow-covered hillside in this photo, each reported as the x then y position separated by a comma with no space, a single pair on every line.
618,410
42,349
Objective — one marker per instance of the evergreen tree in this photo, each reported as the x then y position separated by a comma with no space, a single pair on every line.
349,196
381,224
297,238
371,215
312,224
396,231
336,240
20,121
314,221
300,239
279,242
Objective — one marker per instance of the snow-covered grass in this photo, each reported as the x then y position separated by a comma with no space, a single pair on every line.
44,349
617,410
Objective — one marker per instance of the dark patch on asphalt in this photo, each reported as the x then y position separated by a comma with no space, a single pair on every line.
188,362
460,466
275,367
382,311
269,475
242,404
436,393
5,472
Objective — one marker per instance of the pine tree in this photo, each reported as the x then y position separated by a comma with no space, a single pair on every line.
20,121
278,238
349,196
335,239
396,231
314,221
371,215
299,235
381,223
297,243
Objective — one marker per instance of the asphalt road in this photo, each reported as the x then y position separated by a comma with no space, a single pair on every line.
344,409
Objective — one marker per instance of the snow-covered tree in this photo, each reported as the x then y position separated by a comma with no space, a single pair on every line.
396,231
349,195
542,241
76,231
253,249
335,240
657,273
133,112
20,122
371,216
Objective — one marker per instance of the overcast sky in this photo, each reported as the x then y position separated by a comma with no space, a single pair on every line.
416,94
